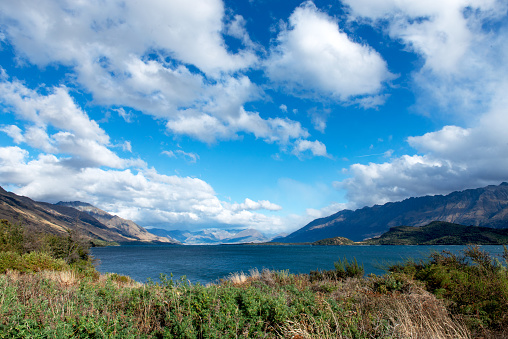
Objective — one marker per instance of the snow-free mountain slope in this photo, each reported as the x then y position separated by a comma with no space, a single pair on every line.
487,206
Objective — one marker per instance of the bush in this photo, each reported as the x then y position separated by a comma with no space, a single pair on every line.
10,261
11,237
344,269
41,261
71,248
474,284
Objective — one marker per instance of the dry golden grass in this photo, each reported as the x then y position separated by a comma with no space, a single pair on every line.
64,278
421,315
238,278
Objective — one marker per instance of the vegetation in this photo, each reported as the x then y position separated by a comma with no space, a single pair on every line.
334,241
435,233
441,233
262,305
52,292
473,285
25,250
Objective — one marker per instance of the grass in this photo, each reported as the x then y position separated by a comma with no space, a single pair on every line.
54,291
472,285
267,304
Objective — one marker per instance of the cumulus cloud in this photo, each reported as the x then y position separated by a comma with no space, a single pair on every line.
250,205
108,50
142,195
70,32
459,47
316,148
452,158
313,57
77,136
14,132
463,48
209,129
165,59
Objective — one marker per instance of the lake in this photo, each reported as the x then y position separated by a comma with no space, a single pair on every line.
206,264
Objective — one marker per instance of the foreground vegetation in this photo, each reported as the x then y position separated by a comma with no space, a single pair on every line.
53,293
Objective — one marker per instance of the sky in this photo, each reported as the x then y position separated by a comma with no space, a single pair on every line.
250,113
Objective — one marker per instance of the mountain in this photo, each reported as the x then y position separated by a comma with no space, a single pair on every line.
125,227
58,219
487,206
441,233
213,236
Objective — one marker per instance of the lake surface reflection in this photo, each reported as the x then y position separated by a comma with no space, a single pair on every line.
205,264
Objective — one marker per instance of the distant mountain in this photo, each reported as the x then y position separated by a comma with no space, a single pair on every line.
57,219
213,236
487,206
125,227
442,233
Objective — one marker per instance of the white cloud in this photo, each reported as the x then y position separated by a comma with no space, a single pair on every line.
14,132
205,128
318,118
162,58
438,30
71,31
315,58
127,116
210,129
453,158
316,147
250,205
462,52
142,195
56,109
188,156
77,135
463,46
127,147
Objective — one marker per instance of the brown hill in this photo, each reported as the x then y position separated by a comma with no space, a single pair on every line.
125,227
57,219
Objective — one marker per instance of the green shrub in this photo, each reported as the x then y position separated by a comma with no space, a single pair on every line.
391,282
473,283
11,237
71,247
345,269
10,261
42,261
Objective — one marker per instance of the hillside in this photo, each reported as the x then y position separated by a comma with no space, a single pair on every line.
487,206
441,233
57,219
125,227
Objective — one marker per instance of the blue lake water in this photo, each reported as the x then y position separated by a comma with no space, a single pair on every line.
205,264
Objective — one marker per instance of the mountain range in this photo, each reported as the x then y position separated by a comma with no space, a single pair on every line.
441,233
89,221
487,206
213,236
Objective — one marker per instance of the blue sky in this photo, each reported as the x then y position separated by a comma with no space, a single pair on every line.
252,114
